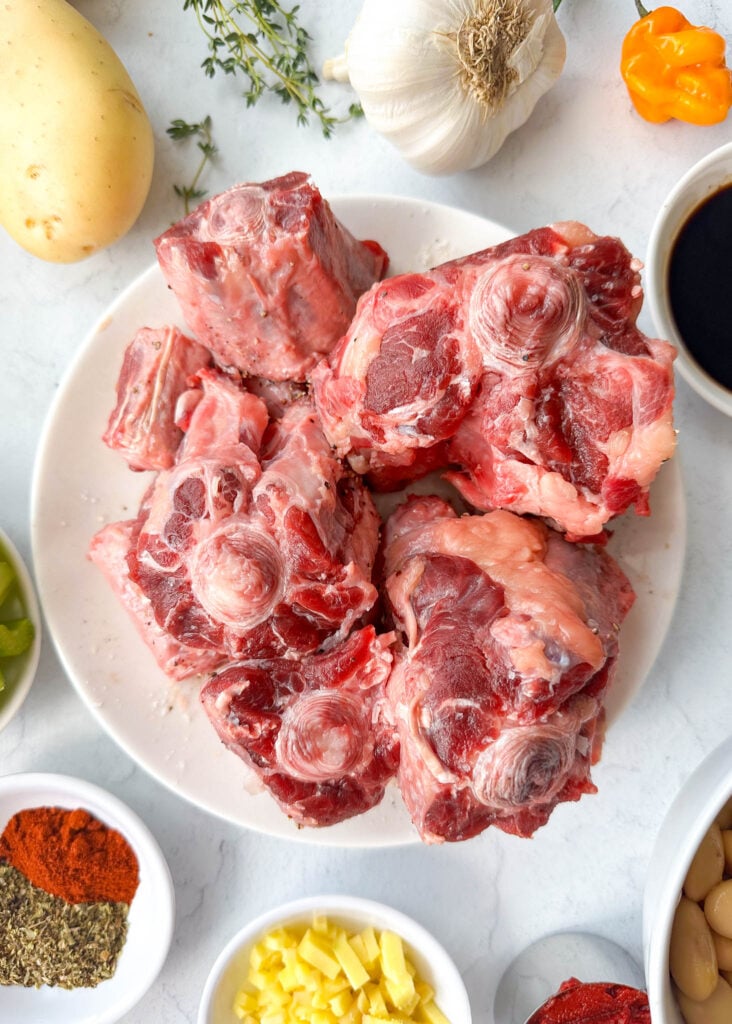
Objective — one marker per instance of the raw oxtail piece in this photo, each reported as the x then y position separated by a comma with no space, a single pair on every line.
267,277
144,424
257,543
508,639
523,366
579,1002
312,729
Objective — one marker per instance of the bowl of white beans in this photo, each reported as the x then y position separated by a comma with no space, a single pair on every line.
687,909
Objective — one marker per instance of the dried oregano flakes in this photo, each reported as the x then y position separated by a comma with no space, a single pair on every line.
46,941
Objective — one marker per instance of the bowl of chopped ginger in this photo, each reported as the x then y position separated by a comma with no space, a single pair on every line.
339,959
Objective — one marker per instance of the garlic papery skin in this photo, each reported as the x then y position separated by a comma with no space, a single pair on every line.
446,81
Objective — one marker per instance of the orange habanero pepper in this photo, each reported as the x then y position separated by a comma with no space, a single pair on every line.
675,69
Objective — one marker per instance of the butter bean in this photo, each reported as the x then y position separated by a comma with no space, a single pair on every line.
718,908
723,948
724,818
727,846
716,1009
692,957
707,867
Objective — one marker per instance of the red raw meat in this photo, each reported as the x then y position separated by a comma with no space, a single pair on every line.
143,426
579,1002
109,550
267,277
509,637
312,729
520,365
256,551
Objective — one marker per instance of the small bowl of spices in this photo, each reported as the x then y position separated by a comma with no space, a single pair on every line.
688,269
20,630
86,902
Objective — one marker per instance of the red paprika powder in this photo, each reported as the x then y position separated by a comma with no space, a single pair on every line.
71,854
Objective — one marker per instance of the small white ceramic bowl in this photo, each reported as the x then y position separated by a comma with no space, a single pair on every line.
21,671
433,963
150,921
692,812
705,178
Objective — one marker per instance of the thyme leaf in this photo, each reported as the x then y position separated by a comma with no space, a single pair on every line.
265,43
180,130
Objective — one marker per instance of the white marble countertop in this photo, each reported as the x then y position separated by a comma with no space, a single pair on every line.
583,155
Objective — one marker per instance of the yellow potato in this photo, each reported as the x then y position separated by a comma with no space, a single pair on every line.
76,146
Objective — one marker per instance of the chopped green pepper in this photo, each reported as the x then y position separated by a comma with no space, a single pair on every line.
16,637
6,578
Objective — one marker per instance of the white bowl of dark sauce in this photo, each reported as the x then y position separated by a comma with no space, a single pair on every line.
689,276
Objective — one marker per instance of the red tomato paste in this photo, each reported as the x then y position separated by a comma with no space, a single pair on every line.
577,1002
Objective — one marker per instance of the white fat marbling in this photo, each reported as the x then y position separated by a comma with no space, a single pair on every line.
583,155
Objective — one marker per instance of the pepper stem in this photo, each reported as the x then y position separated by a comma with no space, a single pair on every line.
642,12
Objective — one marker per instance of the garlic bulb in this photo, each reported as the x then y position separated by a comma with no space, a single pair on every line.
447,80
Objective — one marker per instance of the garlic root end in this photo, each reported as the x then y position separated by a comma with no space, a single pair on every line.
336,68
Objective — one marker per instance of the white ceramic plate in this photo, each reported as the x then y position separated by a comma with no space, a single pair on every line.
150,921
79,485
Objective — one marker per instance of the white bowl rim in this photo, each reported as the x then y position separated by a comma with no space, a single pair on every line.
662,893
27,586
705,385
427,945
80,791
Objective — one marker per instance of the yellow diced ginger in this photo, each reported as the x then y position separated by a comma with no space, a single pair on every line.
352,967
425,991
323,1017
276,996
261,956
279,939
287,978
341,1003
262,980
275,1017
315,951
326,975
321,925
377,1003
392,956
432,1014
359,948
371,944
246,1000
402,995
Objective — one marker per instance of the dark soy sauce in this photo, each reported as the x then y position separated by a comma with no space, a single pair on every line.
700,285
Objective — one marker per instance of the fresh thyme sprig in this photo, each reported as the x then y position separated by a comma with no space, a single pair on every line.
265,43
180,129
